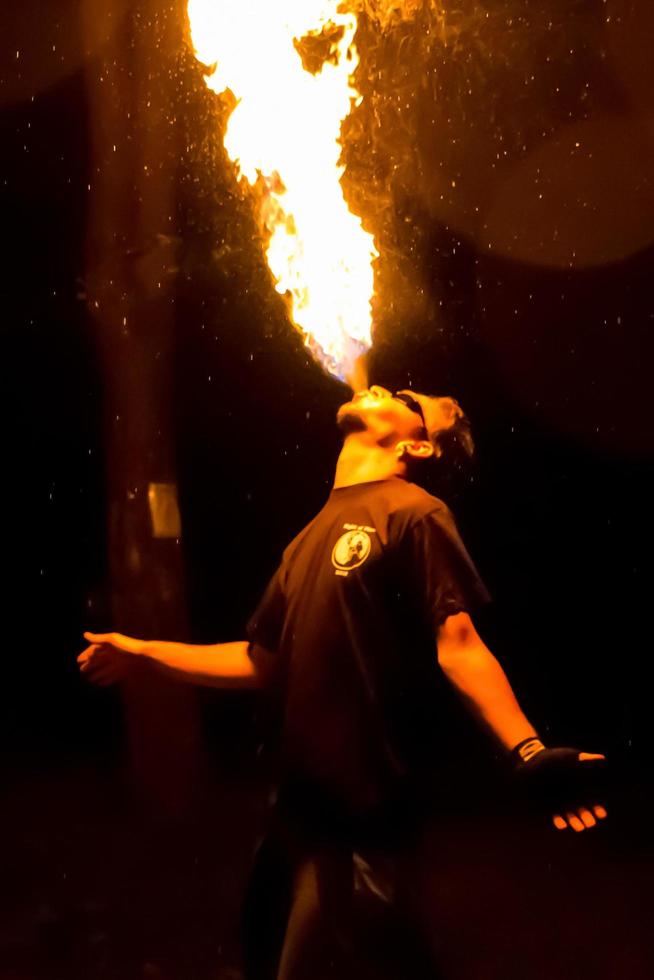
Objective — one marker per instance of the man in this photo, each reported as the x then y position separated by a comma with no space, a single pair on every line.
370,599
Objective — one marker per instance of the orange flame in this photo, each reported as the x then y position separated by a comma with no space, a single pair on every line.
286,128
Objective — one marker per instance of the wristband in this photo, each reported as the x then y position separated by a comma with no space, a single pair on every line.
527,749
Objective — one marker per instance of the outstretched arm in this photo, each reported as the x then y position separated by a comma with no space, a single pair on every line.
472,669
478,677
225,665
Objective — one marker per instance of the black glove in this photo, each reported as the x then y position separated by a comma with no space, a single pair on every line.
556,779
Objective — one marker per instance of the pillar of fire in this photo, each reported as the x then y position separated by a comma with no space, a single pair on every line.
289,67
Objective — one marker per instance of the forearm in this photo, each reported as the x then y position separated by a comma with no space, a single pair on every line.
479,678
215,665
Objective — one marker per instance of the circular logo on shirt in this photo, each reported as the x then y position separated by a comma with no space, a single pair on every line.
351,550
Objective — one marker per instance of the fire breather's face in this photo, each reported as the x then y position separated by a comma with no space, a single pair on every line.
382,413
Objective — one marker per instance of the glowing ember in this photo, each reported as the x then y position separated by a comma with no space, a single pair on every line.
285,129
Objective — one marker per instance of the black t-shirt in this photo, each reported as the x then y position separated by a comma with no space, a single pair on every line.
350,618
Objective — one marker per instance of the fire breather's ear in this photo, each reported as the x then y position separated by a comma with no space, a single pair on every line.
417,448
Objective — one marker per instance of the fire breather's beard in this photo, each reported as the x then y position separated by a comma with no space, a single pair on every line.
348,421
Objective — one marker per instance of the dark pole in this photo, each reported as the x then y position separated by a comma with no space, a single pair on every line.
131,274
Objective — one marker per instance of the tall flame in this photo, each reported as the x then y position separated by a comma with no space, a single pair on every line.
285,128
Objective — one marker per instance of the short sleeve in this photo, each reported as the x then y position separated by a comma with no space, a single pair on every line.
266,624
445,573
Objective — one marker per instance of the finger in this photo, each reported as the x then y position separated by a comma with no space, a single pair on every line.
600,812
559,822
586,817
574,822
590,756
87,653
91,663
98,660
95,655
100,637
91,668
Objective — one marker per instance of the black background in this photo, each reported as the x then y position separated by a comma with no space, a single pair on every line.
539,321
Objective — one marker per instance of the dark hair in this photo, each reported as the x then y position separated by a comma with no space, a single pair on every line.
456,443
453,448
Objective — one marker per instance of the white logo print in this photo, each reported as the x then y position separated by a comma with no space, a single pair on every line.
351,550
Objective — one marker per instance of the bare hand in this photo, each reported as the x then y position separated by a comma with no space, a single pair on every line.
583,818
107,659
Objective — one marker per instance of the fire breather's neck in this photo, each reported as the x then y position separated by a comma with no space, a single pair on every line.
362,463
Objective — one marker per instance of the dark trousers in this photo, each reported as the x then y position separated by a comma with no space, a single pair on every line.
322,907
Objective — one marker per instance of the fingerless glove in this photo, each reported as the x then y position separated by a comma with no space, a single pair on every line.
555,778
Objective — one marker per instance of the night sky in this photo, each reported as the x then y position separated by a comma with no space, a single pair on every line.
503,157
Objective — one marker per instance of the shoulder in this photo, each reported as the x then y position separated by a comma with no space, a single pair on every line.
292,548
413,505
413,512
